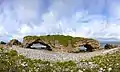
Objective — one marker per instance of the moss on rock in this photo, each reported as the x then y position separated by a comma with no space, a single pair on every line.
62,42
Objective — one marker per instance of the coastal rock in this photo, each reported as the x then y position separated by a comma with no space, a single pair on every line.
27,43
90,44
14,42
2,42
109,46
61,42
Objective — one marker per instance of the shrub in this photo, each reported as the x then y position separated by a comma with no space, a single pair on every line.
11,61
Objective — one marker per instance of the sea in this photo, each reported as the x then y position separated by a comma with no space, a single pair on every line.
102,44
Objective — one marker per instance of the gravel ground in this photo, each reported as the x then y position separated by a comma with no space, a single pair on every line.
59,56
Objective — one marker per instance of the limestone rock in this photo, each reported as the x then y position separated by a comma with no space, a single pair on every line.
27,43
62,43
14,42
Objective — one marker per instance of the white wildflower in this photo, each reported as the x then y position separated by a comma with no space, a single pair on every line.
90,63
117,64
80,71
101,68
83,69
109,69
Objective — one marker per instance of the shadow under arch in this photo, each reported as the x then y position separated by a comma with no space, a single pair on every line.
89,48
47,46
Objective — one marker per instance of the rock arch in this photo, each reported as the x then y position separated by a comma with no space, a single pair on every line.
89,47
38,41
89,44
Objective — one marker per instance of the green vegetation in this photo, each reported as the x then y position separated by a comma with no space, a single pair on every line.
10,61
63,40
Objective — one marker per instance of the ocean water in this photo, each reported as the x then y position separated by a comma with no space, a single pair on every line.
102,44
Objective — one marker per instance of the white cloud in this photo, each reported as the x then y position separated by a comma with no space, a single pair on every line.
70,17
25,29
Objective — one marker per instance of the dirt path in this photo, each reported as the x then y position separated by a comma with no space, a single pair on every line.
59,56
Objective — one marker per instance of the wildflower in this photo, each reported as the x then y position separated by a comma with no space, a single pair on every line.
109,69
83,69
90,63
101,68
117,64
80,71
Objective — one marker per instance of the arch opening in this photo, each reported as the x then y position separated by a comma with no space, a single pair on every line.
39,45
88,47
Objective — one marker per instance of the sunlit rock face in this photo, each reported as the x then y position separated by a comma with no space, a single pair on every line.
61,42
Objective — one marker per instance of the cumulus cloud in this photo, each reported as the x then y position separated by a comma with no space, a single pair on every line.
94,18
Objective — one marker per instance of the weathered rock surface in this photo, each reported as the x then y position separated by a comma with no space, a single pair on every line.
62,43
110,46
14,42
27,43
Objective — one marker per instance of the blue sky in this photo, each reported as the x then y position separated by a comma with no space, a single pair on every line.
84,18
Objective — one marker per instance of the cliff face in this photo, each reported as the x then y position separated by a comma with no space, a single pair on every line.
61,43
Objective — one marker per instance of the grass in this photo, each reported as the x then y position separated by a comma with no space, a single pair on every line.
11,61
63,40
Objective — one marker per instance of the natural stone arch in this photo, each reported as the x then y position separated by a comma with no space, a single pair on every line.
47,46
89,47
31,42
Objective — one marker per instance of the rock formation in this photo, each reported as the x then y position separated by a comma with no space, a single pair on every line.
60,42
27,43
2,42
109,46
14,42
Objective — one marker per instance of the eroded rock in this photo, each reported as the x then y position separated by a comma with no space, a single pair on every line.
27,43
62,43
110,46
14,42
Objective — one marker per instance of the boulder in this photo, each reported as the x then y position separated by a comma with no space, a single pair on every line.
2,42
61,42
14,42
110,46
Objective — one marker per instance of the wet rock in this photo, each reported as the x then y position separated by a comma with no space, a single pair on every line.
110,46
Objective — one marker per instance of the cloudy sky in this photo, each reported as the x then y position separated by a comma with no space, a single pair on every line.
84,18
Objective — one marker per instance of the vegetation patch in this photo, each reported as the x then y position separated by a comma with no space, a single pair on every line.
11,61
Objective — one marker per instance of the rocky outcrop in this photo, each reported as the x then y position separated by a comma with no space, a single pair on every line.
62,43
2,42
14,42
90,44
27,43
110,46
